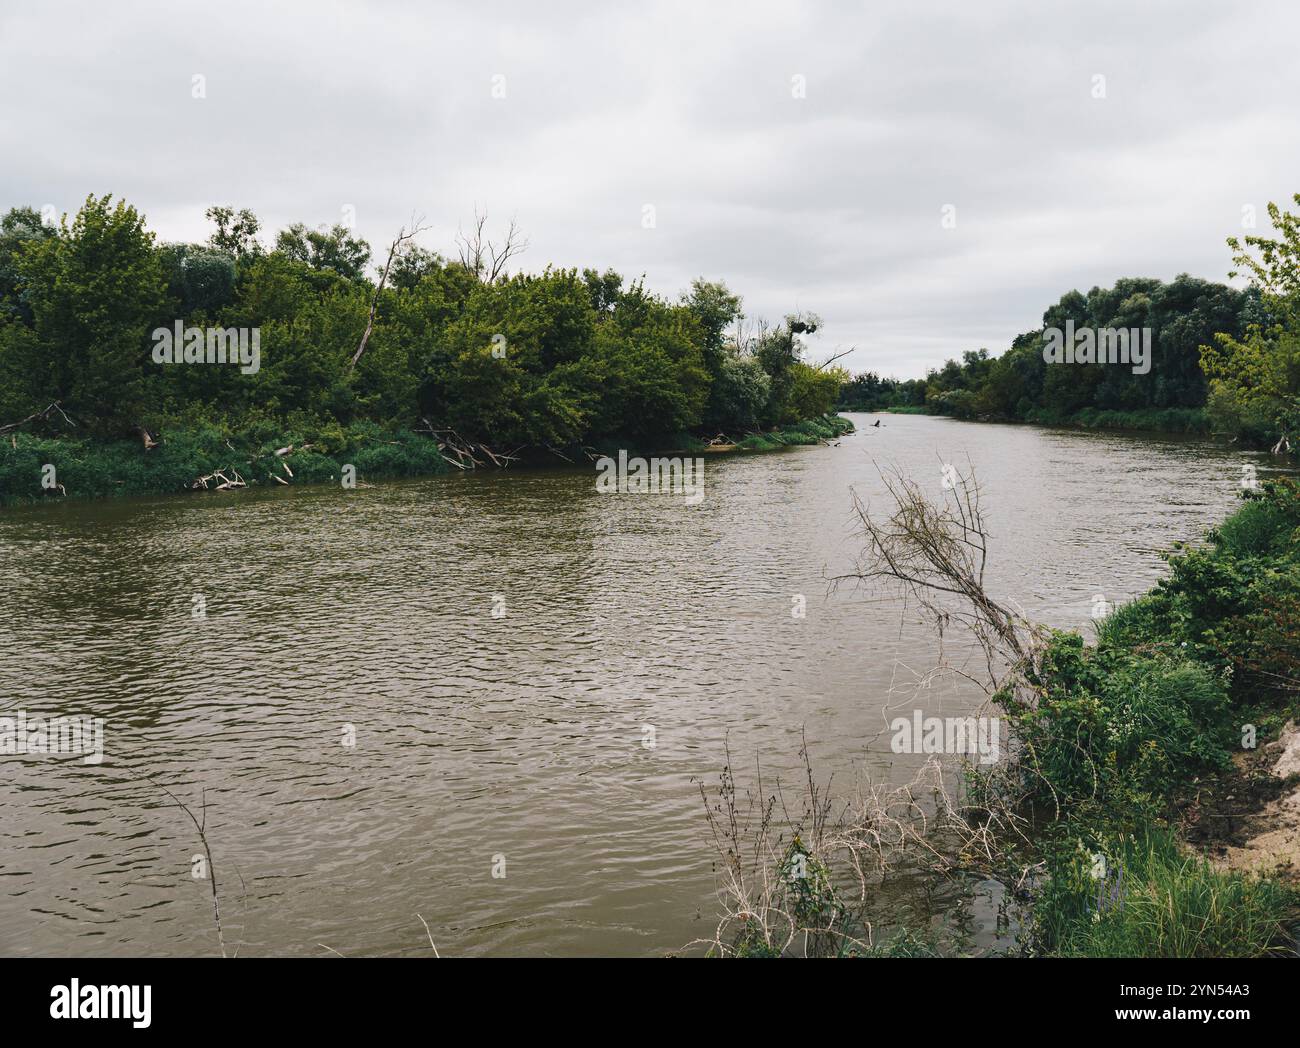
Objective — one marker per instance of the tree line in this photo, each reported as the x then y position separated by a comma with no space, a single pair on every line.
1223,358
558,358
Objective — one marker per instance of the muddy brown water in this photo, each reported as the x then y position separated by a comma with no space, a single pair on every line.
485,742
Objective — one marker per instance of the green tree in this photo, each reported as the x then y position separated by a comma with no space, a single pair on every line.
333,249
1255,380
96,292
236,233
20,227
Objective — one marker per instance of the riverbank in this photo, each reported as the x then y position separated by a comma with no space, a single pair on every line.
36,468
1150,420
1149,805
1154,750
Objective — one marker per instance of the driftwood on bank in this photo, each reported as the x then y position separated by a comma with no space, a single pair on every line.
467,452
281,452
226,484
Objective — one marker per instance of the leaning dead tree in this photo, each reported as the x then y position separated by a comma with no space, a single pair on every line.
39,416
403,239
483,257
936,552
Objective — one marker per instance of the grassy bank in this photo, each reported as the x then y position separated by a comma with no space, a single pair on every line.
812,431
96,469
1157,420
1154,420
1123,739
1149,896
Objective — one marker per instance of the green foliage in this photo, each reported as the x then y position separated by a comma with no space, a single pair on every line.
551,360
200,280
1234,603
808,432
1116,735
1018,385
1143,895
334,249
95,292
98,469
739,394
19,229
1262,526
1119,730
236,232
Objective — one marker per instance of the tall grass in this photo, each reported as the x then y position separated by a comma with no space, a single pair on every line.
90,469
1156,899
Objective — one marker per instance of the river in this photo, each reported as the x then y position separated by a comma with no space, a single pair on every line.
513,743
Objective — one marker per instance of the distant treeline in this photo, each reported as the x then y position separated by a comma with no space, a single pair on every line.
1221,357
1183,315
556,359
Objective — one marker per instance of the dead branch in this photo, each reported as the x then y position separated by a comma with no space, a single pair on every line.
235,481
207,850
40,415
850,846
403,237
466,451
514,244
837,356
481,256
937,553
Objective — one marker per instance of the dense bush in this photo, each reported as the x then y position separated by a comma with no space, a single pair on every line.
1118,734
1117,730
527,360
556,359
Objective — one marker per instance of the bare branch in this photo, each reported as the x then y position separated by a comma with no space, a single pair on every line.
404,237
838,356
212,869
39,415
484,258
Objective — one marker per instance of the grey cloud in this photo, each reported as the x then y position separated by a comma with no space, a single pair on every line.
830,202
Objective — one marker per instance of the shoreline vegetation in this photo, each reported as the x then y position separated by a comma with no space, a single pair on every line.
206,459
1221,360
132,367
1150,420
1149,804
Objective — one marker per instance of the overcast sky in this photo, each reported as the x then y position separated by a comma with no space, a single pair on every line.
831,202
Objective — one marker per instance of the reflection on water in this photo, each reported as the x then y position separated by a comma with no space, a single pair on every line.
479,737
